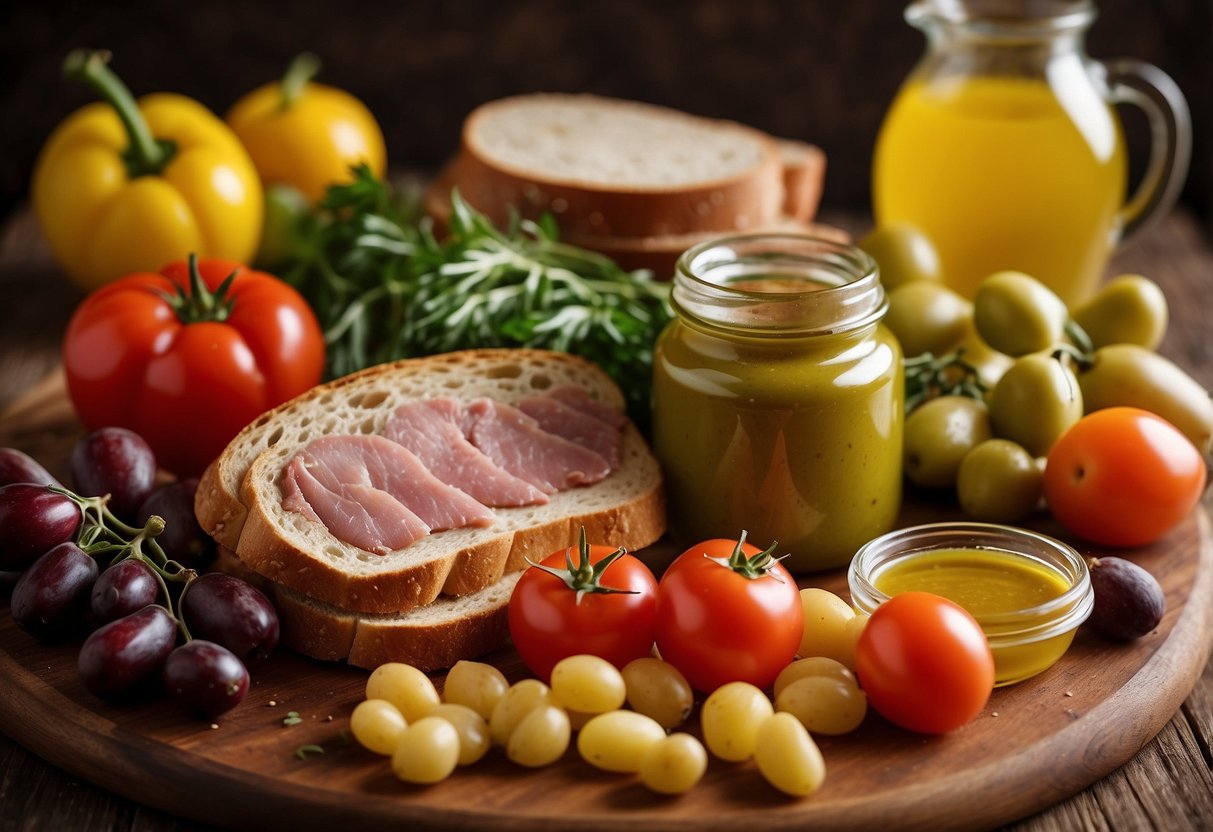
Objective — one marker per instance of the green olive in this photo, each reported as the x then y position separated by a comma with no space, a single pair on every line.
1017,314
939,434
999,482
989,362
903,253
1035,402
1133,376
927,317
1129,309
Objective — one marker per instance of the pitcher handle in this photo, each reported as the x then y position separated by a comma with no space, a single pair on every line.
1148,87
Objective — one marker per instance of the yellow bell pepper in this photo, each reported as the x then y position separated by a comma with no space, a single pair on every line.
307,135
125,186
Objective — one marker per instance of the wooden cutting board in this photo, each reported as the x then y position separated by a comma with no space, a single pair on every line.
1033,745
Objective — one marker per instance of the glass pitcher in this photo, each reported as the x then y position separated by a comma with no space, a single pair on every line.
1004,149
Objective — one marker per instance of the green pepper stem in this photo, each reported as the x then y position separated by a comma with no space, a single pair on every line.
303,69
144,155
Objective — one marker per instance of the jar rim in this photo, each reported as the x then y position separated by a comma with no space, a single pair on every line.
1029,624
999,18
830,286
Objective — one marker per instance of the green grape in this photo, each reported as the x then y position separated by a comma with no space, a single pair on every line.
377,725
657,689
618,740
787,756
478,685
541,738
406,687
473,730
674,765
824,705
730,718
428,751
589,684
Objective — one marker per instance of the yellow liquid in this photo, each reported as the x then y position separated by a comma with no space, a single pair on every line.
989,583
1003,174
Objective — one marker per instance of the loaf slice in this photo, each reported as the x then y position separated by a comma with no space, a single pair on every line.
660,254
430,637
608,167
240,500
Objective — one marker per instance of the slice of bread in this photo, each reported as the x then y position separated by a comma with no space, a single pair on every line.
239,499
429,638
660,254
607,167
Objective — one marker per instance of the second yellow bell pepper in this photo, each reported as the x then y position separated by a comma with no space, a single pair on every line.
126,186
307,135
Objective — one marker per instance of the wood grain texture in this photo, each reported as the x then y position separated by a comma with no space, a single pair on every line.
1165,786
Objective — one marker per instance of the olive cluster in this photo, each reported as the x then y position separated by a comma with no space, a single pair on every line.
992,383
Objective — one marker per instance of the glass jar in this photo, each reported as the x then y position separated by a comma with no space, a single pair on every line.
1029,592
778,398
1003,147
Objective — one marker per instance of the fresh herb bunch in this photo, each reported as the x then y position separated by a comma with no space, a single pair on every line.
384,287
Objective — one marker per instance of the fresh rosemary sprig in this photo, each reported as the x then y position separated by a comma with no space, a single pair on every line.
384,287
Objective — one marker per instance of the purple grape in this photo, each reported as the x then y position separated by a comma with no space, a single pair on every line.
124,588
51,595
182,539
127,654
206,677
17,466
232,613
118,462
33,520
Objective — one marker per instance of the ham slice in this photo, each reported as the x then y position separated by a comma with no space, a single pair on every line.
575,425
576,397
432,429
517,443
374,494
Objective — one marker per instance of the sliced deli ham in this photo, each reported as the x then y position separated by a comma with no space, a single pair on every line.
365,488
432,429
516,442
575,425
359,515
578,399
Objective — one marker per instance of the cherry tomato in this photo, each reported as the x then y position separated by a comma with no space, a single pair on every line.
184,365
924,663
1123,477
603,604
727,612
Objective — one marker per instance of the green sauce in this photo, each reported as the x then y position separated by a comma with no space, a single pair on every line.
795,438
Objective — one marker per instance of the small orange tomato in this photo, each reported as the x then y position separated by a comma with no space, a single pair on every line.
1123,476
924,663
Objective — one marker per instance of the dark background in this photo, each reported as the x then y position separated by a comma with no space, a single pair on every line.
818,70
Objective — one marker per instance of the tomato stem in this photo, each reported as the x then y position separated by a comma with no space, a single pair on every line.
757,566
200,304
584,576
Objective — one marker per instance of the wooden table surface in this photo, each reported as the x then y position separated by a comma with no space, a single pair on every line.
1168,785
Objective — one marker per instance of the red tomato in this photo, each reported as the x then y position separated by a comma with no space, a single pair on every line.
1123,477
604,604
160,354
727,612
924,663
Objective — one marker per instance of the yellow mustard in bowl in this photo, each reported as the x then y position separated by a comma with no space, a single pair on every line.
1028,591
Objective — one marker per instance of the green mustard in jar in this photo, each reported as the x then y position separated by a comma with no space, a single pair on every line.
778,398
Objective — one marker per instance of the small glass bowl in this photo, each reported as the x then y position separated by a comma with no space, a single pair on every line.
1024,641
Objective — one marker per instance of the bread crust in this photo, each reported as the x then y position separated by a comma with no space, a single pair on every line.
627,508
595,207
425,638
